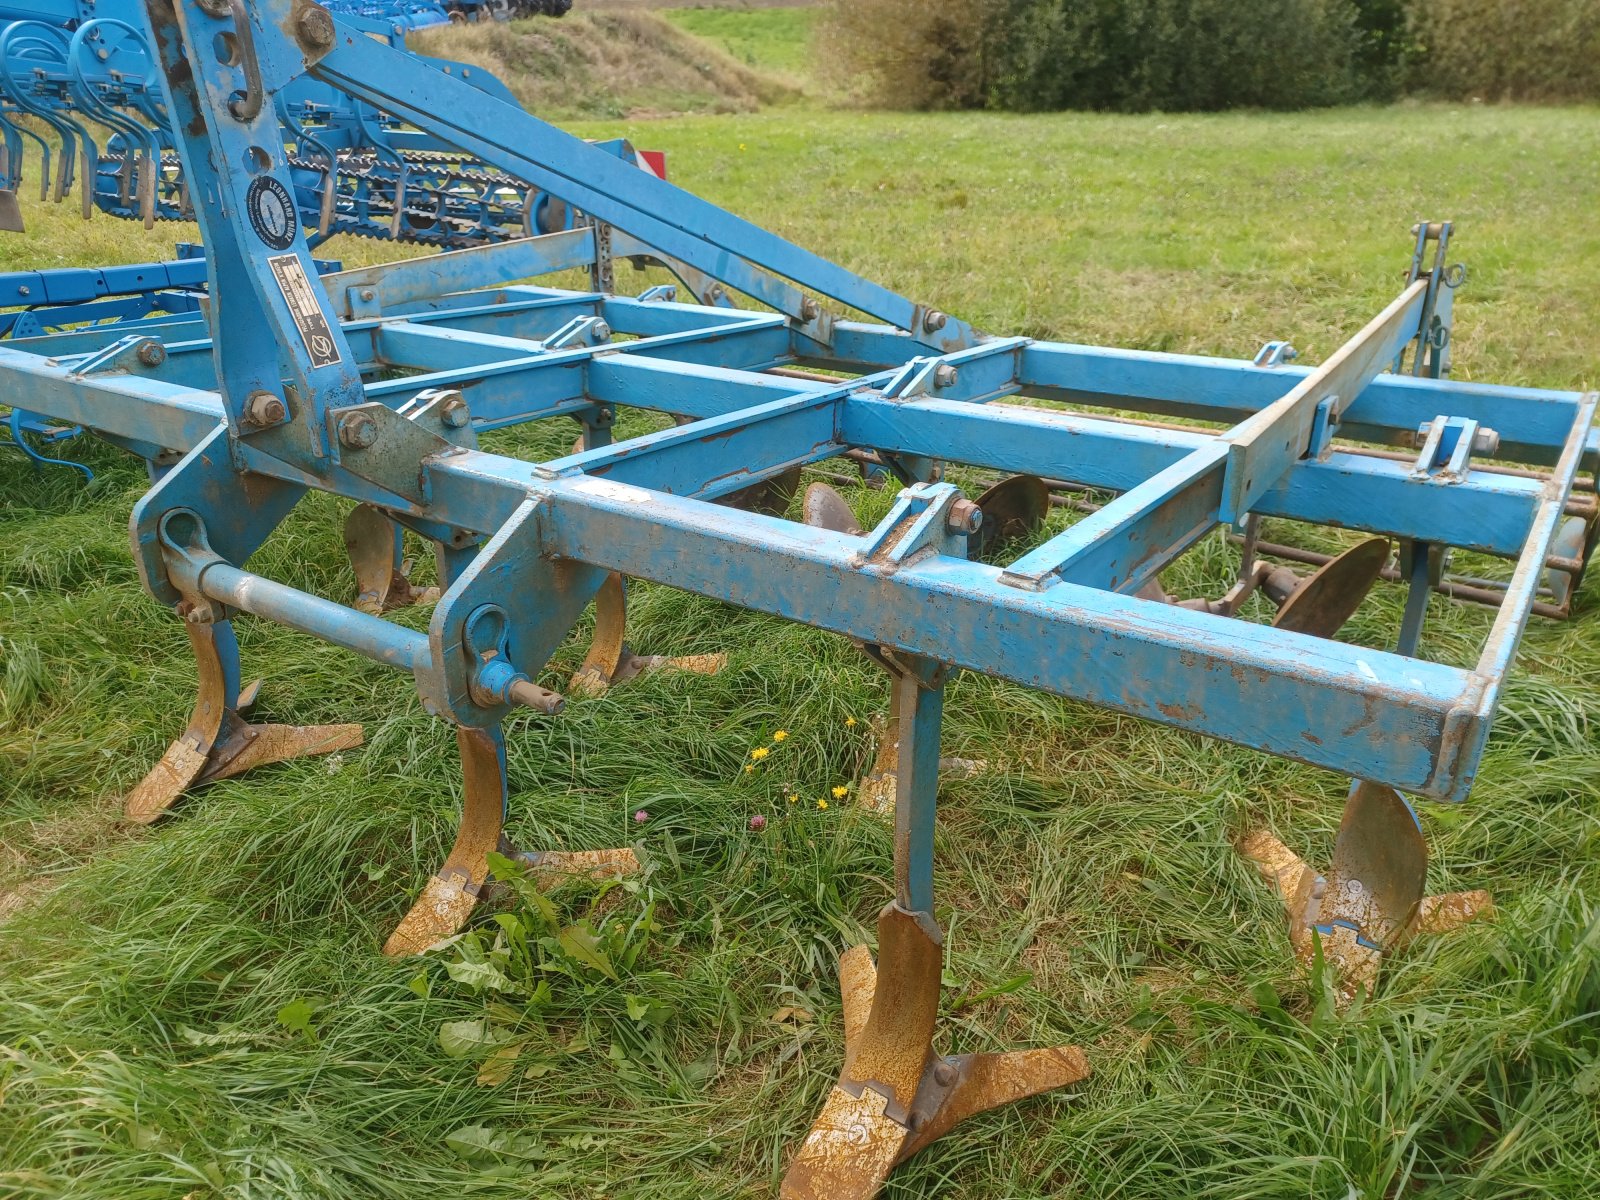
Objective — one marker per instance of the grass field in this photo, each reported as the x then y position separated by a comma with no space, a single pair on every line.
199,1011
775,41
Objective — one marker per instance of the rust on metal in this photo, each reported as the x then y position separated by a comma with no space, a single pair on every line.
372,541
824,508
895,1095
219,743
451,894
1013,508
1448,912
1321,605
1371,901
553,867
610,661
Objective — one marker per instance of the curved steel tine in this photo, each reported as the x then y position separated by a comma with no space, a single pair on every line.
218,742
374,543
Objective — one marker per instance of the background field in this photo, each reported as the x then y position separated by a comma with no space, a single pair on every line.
198,1010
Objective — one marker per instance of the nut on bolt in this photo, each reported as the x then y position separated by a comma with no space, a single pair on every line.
314,30
263,408
964,517
454,413
934,321
810,310
945,376
357,431
600,331
152,353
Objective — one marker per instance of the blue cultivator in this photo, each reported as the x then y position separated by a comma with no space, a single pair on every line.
83,71
375,384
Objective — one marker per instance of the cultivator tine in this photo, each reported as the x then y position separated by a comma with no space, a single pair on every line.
895,1093
1012,509
1380,867
219,743
451,895
610,661
11,213
1371,901
453,892
374,543
1321,604
553,867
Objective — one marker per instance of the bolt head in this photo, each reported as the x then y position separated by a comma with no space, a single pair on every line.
152,353
454,413
934,321
315,29
601,331
945,376
357,431
964,517
368,295
810,310
944,1074
264,408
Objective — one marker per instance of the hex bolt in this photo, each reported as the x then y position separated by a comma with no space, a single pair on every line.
810,310
964,517
454,413
1486,441
934,321
357,431
368,295
264,408
314,30
944,1074
601,331
945,376
152,353
604,416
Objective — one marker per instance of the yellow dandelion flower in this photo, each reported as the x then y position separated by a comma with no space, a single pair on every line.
849,722
780,735
749,770
839,793
822,804
793,799
759,753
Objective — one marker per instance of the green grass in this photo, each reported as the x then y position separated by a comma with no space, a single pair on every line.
142,1053
774,41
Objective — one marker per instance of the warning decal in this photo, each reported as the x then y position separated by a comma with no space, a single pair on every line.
303,308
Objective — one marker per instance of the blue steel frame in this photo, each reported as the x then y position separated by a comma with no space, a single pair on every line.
288,384
1062,618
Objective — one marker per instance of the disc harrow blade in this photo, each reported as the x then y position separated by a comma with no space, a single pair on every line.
1322,604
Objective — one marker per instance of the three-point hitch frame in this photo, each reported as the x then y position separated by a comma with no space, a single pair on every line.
289,383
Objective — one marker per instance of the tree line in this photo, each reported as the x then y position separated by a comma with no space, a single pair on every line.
1206,55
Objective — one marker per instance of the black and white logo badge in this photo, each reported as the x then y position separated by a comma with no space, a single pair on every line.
271,210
